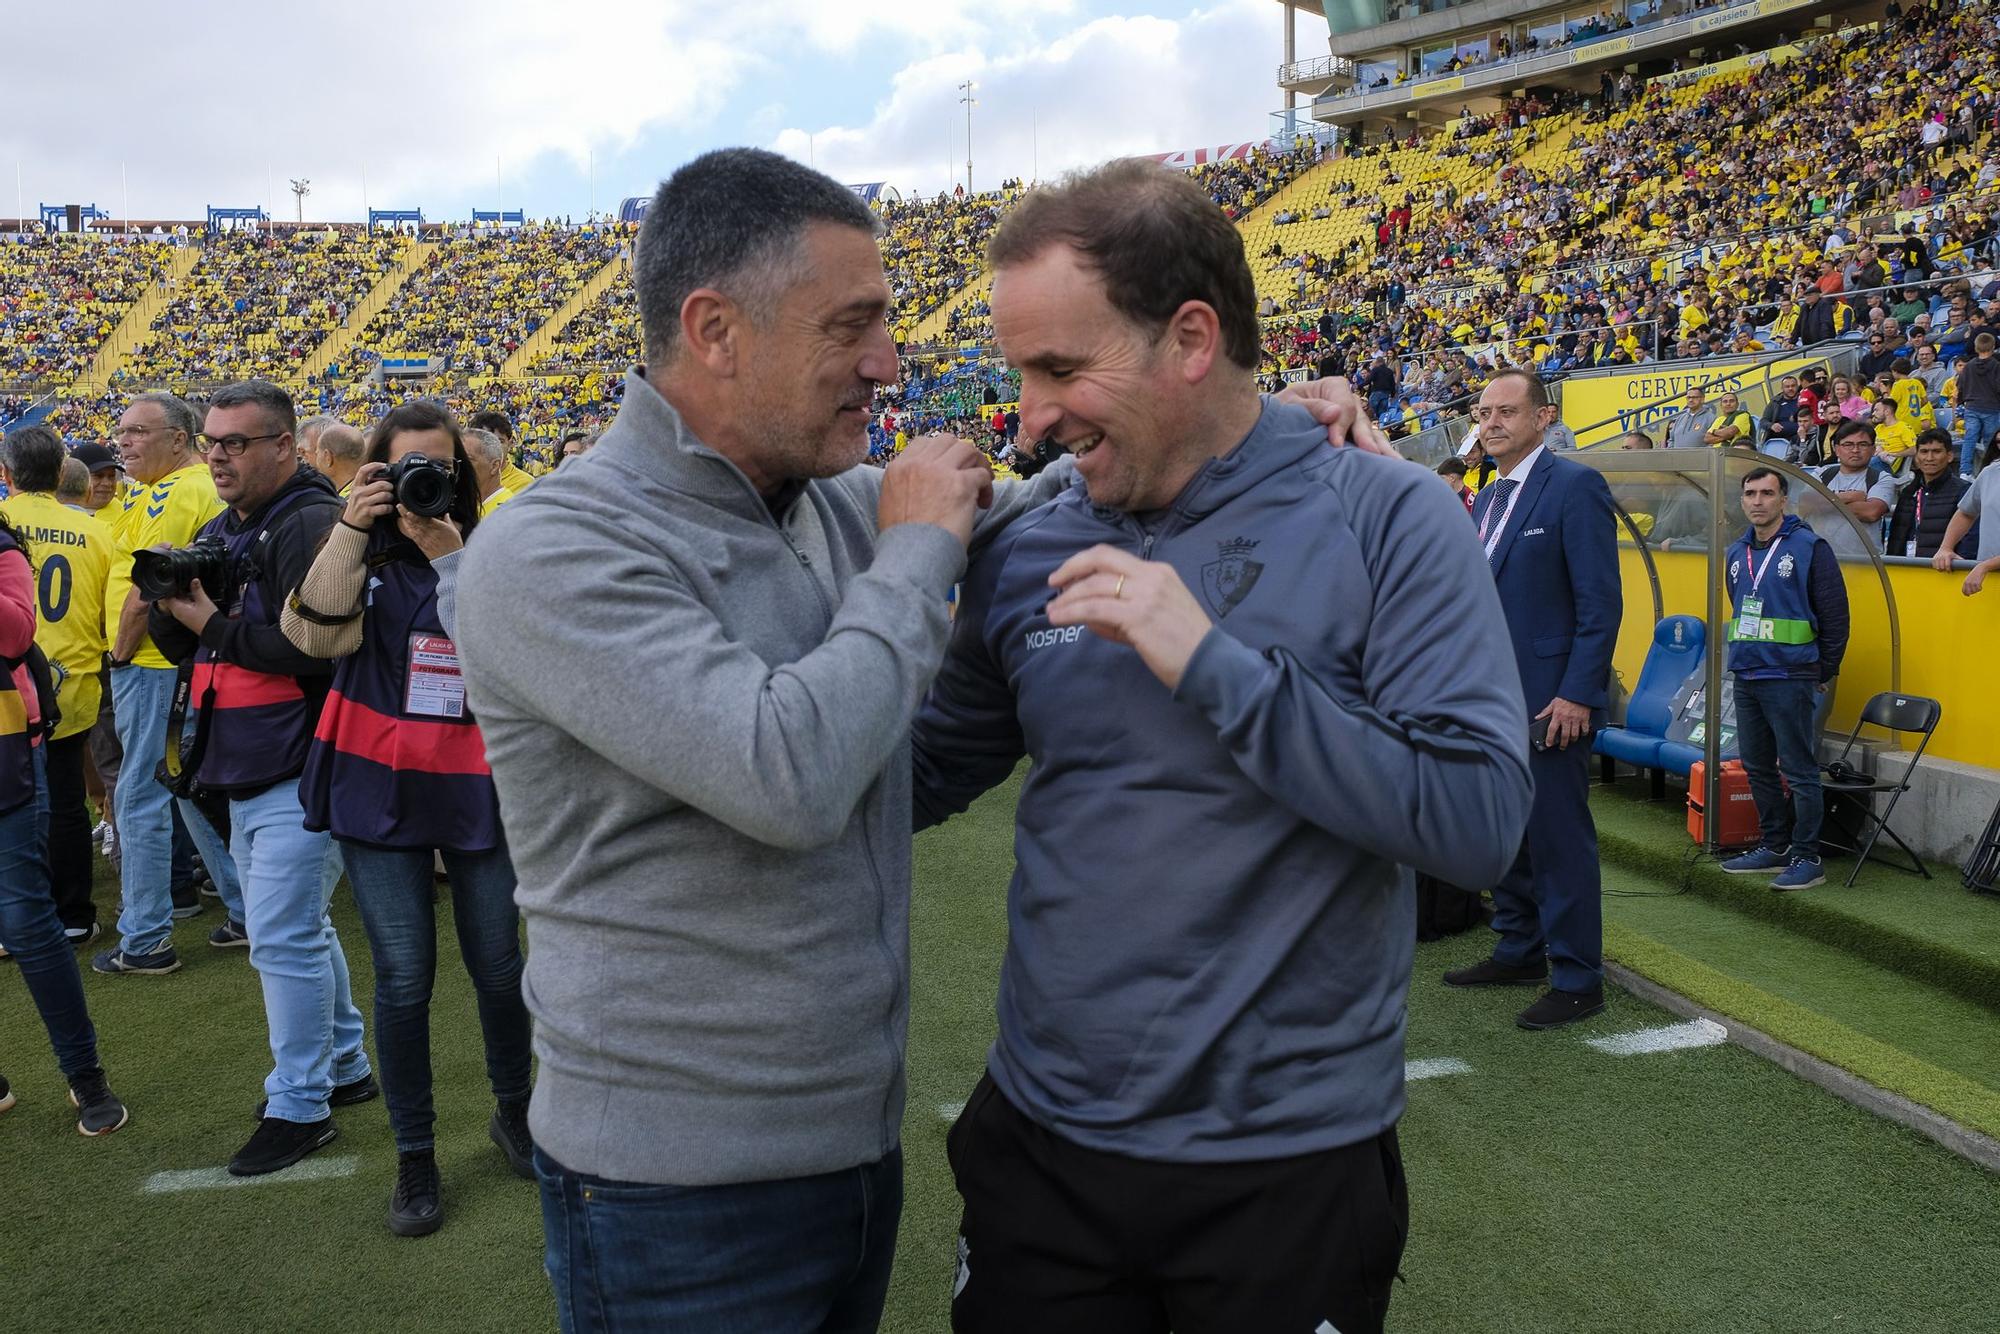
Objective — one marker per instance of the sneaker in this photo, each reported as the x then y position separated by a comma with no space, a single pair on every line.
83,935
509,1129
187,903
4,955
204,885
1492,973
229,935
98,1110
415,1207
364,1089
6,1094
1803,873
1757,861
106,838
158,963
279,1143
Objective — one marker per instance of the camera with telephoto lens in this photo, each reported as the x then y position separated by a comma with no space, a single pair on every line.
422,485
169,574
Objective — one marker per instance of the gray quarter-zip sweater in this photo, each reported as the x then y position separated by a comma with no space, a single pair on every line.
697,709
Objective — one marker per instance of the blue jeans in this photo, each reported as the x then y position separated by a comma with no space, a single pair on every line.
315,1029
33,933
215,855
392,888
1775,735
140,699
809,1255
1979,426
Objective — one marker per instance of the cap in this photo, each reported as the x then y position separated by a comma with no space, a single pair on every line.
95,457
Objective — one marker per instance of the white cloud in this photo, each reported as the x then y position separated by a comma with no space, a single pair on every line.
224,101
426,102
1111,87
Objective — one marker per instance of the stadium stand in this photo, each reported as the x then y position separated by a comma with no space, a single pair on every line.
482,294
1678,217
61,296
256,304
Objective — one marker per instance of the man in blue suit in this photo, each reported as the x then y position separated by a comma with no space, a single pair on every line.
1547,525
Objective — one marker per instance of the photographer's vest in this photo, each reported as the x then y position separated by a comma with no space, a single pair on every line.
398,760
259,723
1783,638
17,738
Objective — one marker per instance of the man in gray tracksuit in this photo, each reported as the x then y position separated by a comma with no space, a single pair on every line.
1258,677
694,655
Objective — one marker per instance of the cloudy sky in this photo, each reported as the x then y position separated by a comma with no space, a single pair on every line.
449,105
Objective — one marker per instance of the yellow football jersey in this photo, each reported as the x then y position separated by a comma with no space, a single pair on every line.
71,553
170,511
1913,403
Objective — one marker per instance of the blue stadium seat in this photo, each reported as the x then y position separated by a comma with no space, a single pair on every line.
1677,654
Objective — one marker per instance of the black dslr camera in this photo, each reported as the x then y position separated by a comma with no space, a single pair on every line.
168,574
423,486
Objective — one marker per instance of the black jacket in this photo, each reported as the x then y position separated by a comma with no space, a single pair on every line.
282,561
1940,502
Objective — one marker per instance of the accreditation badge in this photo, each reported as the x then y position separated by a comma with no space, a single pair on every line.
436,686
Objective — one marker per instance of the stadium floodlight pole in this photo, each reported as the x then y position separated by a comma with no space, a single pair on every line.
301,187
967,89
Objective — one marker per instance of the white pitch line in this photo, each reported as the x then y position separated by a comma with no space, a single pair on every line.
949,1111
1430,1067
218,1178
1672,1037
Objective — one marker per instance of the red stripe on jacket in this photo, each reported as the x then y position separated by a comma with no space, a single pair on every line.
408,744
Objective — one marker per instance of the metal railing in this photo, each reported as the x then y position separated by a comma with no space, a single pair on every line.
1311,71
1654,32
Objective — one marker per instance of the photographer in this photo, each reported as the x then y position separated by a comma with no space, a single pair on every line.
398,773
250,701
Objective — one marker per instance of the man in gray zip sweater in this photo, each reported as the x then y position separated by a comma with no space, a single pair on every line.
1258,677
695,654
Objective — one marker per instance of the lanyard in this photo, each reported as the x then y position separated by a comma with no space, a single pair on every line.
1757,571
1917,527
1499,527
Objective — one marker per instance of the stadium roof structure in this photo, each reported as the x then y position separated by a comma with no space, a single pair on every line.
1390,63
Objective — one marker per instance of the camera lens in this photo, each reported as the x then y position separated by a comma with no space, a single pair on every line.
156,574
423,485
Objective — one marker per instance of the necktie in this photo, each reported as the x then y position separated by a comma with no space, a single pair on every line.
1496,515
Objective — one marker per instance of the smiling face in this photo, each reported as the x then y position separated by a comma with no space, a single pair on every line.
1092,381
818,355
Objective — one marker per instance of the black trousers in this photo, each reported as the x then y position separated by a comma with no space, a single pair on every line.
69,832
1060,1239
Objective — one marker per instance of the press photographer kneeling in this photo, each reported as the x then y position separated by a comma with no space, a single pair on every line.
249,701
398,773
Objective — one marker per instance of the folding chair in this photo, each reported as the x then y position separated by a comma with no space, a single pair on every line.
1897,713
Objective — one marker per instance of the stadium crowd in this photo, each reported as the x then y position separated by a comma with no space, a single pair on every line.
258,303
61,296
483,292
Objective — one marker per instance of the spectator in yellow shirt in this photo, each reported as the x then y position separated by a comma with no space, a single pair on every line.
487,453
71,555
1731,426
1913,401
171,498
1893,437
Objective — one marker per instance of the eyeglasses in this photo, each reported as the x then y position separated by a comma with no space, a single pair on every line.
232,446
138,432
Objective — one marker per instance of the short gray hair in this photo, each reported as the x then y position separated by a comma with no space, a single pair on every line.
726,220
490,447
74,484
309,429
180,414
276,402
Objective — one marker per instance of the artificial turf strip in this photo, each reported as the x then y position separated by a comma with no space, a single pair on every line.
1934,931
1965,1101
1553,1187
1924,1022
